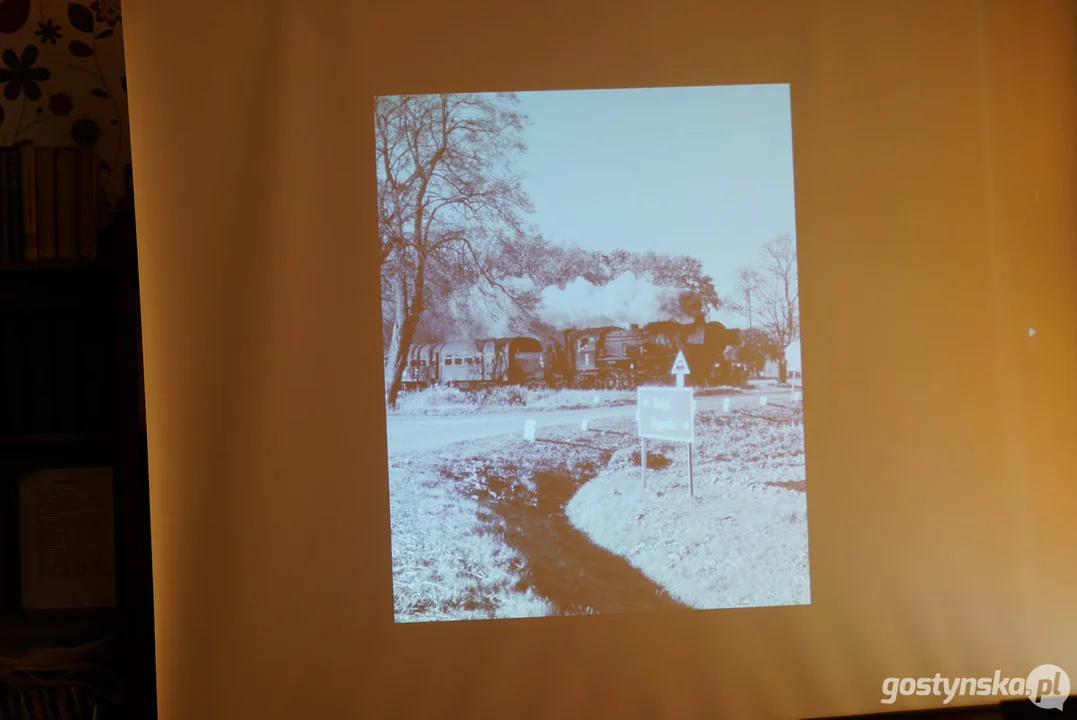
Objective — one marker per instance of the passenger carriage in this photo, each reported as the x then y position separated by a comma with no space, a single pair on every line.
495,361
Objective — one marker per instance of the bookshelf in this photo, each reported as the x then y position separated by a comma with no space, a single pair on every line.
71,399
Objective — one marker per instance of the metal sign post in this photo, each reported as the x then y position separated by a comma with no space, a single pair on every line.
691,480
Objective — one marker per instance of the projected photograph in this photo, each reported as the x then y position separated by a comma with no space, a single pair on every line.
591,334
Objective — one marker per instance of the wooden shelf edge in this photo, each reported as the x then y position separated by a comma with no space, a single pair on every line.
48,266
75,617
56,439
22,629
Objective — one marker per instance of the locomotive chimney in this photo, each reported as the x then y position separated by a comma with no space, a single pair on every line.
692,307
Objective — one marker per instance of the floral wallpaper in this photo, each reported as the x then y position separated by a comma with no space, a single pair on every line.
63,81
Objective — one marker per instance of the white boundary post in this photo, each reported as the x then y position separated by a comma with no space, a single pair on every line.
643,460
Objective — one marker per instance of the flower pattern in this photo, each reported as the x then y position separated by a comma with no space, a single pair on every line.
20,75
13,15
107,11
48,31
61,104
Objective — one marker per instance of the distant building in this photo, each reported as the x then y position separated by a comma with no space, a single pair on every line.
792,357
793,368
790,367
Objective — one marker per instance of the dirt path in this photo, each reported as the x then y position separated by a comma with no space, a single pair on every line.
565,567
562,564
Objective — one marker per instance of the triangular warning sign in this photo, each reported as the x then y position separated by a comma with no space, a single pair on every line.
680,365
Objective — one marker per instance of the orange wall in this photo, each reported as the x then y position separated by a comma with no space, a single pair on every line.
935,169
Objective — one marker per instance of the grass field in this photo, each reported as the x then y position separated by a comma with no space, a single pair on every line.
741,540
507,528
447,564
447,400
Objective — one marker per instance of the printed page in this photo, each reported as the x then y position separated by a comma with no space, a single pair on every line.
67,542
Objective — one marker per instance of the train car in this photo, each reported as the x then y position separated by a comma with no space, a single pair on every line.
607,357
618,358
470,364
494,361
526,361
611,357
582,362
424,361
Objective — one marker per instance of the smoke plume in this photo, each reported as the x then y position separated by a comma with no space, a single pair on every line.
625,300
475,314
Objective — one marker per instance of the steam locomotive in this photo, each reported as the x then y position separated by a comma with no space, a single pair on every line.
613,358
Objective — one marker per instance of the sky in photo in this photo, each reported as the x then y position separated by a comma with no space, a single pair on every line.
703,171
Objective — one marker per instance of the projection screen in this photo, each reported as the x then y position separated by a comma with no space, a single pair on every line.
496,546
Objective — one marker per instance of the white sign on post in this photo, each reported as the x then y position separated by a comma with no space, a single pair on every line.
665,413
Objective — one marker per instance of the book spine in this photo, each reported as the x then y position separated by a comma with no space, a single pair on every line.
39,373
35,702
28,160
67,207
93,382
46,203
8,380
13,205
88,182
14,201
5,210
65,373
15,372
51,702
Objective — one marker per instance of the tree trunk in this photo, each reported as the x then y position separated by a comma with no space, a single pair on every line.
403,333
407,314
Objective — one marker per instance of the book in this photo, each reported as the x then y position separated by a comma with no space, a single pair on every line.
67,205
45,190
52,702
28,179
5,211
88,196
50,203
66,539
14,363
10,202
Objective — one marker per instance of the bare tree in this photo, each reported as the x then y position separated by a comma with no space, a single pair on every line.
449,204
749,280
769,295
